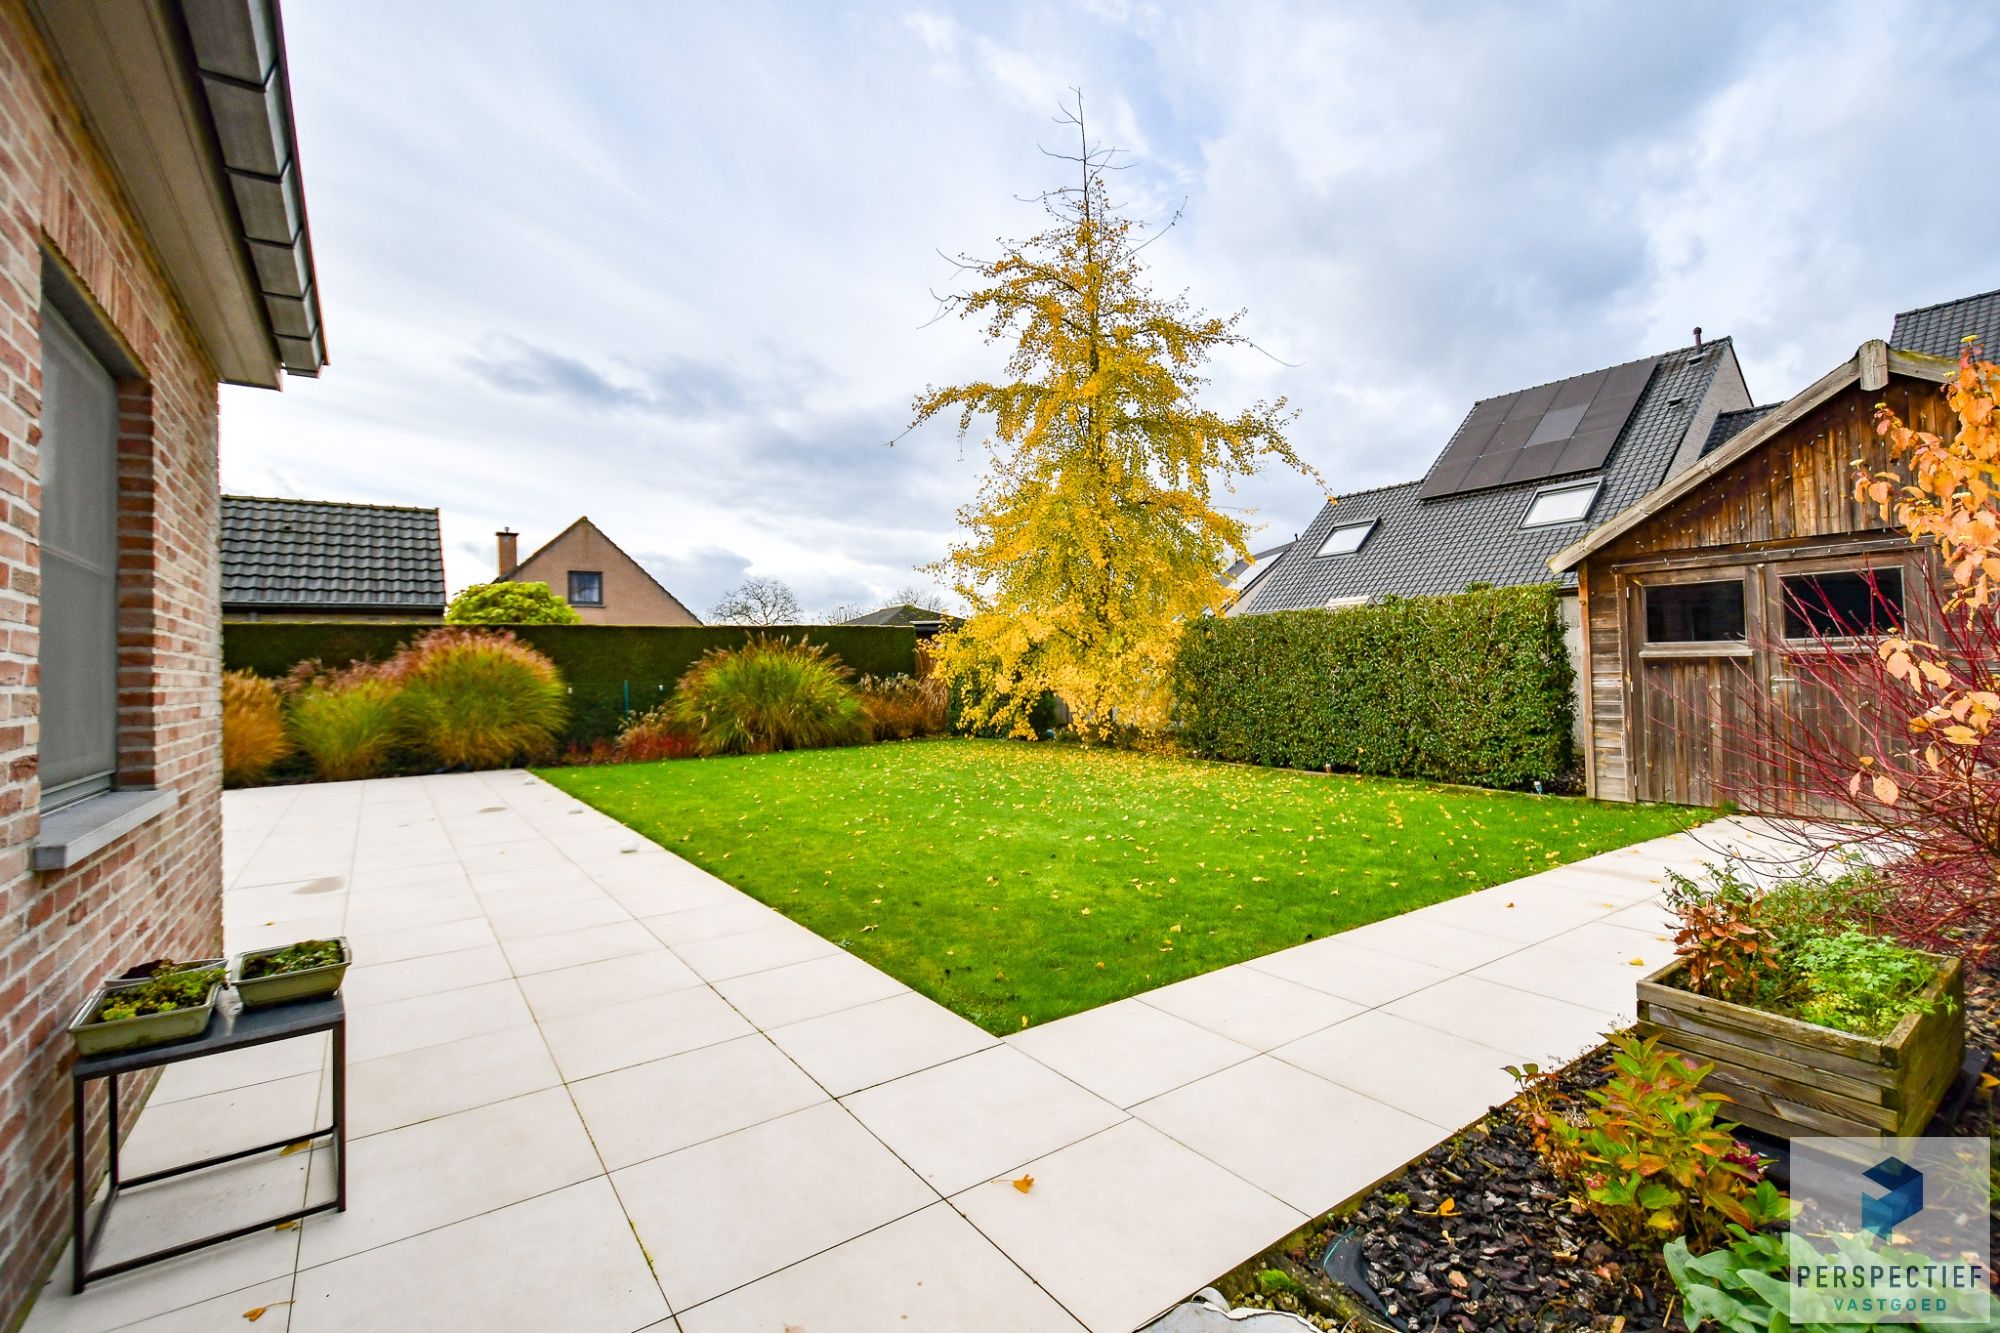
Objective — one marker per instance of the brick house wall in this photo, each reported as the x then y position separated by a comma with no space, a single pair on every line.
631,595
157,891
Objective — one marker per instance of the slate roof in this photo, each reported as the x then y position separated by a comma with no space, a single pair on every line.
1937,329
1730,424
323,555
1426,547
905,614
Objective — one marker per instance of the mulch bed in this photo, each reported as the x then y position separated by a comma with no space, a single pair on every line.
1477,1236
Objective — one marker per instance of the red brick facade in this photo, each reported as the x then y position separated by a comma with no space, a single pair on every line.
156,892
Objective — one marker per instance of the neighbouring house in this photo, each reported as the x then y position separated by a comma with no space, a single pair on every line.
329,560
155,245
589,571
1243,576
1524,475
925,621
1700,596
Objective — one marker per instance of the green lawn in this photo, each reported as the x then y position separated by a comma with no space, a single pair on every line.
1016,883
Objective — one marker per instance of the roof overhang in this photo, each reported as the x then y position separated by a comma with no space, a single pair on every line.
191,103
1869,368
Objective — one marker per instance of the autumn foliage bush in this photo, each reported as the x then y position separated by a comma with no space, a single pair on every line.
770,694
655,734
477,699
900,708
253,728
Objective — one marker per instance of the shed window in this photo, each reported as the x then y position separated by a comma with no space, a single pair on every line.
1347,538
1695,612
79,539
1842,604
586,587
1560,504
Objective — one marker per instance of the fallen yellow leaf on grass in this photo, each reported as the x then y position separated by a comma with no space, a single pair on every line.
1024,1184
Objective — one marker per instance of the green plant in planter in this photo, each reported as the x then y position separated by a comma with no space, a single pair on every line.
300,957
1744,1287
1652,1156
1860,983
167,991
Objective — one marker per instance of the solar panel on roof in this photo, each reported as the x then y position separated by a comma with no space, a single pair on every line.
1547,431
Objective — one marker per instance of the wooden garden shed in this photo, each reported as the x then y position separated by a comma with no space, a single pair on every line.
1697,601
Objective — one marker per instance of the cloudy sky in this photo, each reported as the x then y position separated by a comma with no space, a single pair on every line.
672,266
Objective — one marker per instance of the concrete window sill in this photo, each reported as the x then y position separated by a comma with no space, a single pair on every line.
94,823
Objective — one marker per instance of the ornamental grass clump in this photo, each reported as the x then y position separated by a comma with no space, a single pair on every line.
654,734
254,740
347,722
770,694
478,699
900,708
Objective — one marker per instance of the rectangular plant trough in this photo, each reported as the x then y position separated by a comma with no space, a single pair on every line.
1788,1077
124,1034
308,984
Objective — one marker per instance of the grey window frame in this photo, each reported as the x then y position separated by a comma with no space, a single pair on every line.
1592,485
597,574
78,653
1366,527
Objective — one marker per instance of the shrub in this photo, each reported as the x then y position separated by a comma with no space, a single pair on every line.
655,734
1469,688
510,604
253,728
478,699
902,707
1720,938
770,694
1860,983
1745,1287
347,723
1649,1153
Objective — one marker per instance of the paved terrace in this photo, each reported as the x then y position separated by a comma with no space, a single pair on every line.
594,1088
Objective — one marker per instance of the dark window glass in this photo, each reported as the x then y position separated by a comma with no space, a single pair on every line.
79,538
586,588
1694,612
1842,605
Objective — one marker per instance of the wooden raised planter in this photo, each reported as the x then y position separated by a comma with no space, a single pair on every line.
1786,1077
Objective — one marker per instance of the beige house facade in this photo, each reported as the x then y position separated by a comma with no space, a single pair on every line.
589,571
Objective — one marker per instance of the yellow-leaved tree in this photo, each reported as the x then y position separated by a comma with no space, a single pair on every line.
1096,534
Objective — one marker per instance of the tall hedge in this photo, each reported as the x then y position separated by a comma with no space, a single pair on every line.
609,669
1472,688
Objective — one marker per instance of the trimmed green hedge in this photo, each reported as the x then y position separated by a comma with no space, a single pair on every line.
1471,688
610,669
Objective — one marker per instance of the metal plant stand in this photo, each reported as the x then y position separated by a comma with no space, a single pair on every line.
230,1031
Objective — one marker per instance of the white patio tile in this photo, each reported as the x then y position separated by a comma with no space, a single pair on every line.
930,1271
393,946
1615,942
379,914
237,1069
805,990
1122,1225
558,918
1309,1142
1127,1051
386,983
274,1299
176,1132
1532,1027
565,1260
431,1020
1340,967
591,944
704,923
1442,1078
1415,938
873,1043
260,935
657,898
1524,918
597,1041
633,976
664,1105
1253,1008
733,1209
778,945
438,1080
1610,988
194,1292
979,1116
185,1208
445,1170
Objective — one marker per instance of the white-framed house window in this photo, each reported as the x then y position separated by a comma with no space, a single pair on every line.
1346,538
1568,503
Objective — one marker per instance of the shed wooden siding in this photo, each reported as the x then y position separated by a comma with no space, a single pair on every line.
1793,496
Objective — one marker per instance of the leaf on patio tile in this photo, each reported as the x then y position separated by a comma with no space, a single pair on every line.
1024,1184
1638,962
259,1312
292,1225
299,1146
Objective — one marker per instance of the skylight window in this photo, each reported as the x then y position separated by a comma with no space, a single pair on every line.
1346,539
1561,504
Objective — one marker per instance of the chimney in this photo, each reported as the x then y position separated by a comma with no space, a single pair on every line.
1697,335
510,553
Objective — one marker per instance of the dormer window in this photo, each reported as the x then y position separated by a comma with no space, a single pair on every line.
1346,538
1561,504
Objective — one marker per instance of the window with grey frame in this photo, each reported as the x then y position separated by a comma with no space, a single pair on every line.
586,587
79,548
